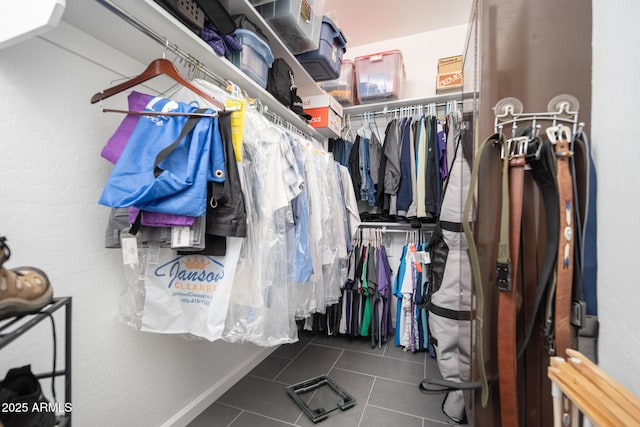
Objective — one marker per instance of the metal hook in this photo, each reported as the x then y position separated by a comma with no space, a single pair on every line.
166,47
536,130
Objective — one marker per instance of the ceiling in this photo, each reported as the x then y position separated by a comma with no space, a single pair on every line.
368,21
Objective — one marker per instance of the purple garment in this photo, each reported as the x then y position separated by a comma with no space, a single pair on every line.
222,44
113,149
157,219
384,289
442,147
413,311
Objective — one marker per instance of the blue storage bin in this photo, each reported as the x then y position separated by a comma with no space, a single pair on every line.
324,63
256,57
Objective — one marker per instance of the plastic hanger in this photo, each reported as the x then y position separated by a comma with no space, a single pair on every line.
157,67
346,130
363,130
373,127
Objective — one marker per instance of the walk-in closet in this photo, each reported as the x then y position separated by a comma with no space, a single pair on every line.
298,212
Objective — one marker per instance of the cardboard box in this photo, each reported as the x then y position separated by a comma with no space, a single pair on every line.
449,73
450,64
449,80
326,114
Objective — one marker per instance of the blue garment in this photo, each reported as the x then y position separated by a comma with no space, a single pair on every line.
298,236
397,291
405,194
341,151
367,189
589,241
181,188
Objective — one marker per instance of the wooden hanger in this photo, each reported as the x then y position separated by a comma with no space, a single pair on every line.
156,68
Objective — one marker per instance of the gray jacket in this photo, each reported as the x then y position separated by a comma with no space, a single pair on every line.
391,151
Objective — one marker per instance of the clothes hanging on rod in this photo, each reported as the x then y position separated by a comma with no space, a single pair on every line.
373,298
412,331
279,280
407,170
115,146
304,214
364,306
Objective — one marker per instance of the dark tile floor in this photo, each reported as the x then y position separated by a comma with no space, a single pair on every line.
383,381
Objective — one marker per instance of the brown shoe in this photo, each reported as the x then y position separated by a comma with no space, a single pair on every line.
23,290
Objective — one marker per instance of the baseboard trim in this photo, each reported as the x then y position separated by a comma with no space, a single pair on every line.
213,393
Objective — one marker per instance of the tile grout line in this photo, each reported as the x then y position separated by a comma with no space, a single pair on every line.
271,418
280,357
341,348
258,414
291,361
336,362
369,354
367,402
376,376
425,365
386,346
396,411
267,379
299,416
236,417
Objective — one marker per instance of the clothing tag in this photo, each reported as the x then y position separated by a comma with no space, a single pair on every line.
129,250
180,237
421,257
153,254
412,257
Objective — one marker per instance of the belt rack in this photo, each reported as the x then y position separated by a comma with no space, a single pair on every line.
562,123
561,110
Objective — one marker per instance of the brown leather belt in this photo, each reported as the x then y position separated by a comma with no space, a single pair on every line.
564,266
530,267
508,295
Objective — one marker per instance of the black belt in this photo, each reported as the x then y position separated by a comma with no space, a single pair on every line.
541,159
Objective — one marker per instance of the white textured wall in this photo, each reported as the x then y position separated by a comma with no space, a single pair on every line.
420,53
615,91
51,176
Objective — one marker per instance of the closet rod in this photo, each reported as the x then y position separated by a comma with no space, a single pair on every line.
400,109
399,227
461,98
190,59
139,25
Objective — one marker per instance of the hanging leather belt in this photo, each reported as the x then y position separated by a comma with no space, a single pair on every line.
508,254
475,267
535,349
564,267
536,276
542,161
